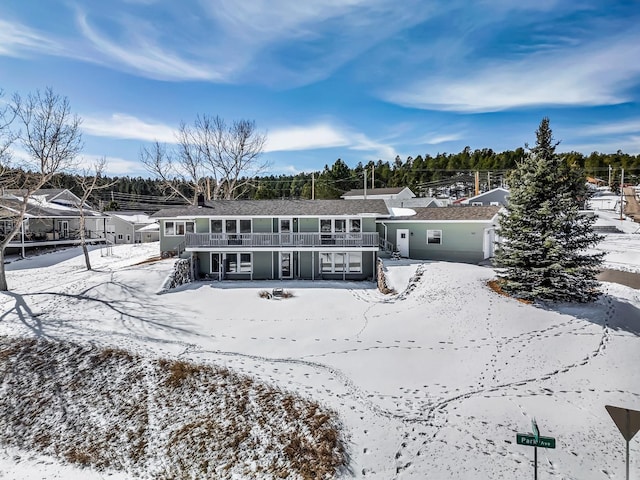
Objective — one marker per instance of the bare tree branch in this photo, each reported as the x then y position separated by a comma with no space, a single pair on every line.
50,135
88,184
160,163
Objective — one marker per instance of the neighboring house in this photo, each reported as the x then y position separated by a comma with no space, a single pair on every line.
415,202
604,200
396,193
132,227
276,239
496,197
456,234
52,219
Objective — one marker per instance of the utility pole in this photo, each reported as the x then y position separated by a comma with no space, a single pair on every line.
622,195
365,183
477,183
609,176
373,176
313,185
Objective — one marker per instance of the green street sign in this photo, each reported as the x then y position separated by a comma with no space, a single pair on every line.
531,441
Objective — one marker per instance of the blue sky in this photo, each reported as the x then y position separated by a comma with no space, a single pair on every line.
325,79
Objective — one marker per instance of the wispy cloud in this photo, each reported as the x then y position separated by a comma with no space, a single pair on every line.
114,166
438,138
325,135
613,128
120,125
142,55
594,74
305,138
17,40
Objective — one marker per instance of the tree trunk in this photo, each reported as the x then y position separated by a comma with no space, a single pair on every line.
3,277
83,242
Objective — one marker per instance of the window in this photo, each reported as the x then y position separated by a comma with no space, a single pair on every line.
355,262
6,226
350,262
325,225
245,226
238,263
326,262
230,226
120,236
216,226
434,237
178,228
494,204
339,225
476,204
245,263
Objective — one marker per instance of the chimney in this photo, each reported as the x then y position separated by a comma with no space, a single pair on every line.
201,199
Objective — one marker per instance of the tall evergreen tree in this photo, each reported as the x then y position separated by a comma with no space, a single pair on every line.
542,253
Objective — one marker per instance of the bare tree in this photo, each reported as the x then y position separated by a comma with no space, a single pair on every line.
88,184
235,154
50,136
209,149
6,135
175,168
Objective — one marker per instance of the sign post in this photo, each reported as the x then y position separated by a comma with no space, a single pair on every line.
628,422
536,435
535,440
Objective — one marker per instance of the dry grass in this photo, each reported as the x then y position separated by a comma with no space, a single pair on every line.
496,286
164,419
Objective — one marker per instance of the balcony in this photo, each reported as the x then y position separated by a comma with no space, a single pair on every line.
293,240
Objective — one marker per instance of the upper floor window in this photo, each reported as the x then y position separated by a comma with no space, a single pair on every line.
340,225
178,227
231,226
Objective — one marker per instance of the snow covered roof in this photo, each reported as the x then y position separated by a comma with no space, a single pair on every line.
459,213
44,204
132,217
152,227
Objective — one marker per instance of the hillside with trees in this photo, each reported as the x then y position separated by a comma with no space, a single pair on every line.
444,173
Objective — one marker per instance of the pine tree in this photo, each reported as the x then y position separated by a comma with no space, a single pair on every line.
542,251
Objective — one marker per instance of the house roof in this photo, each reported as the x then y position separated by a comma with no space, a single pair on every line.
488,192
277,208
413,202
133,218
38,207
451,213
359,192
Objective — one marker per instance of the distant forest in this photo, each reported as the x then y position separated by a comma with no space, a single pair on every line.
425,175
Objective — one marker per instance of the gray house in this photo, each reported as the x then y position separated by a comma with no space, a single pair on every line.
276,239
131,227
456,234
52,219
496,197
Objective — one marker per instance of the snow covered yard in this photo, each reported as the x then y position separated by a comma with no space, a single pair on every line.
432,382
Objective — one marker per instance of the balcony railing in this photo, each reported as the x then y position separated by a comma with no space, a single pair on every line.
294,240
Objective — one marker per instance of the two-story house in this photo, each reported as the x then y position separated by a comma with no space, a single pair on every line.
276,239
